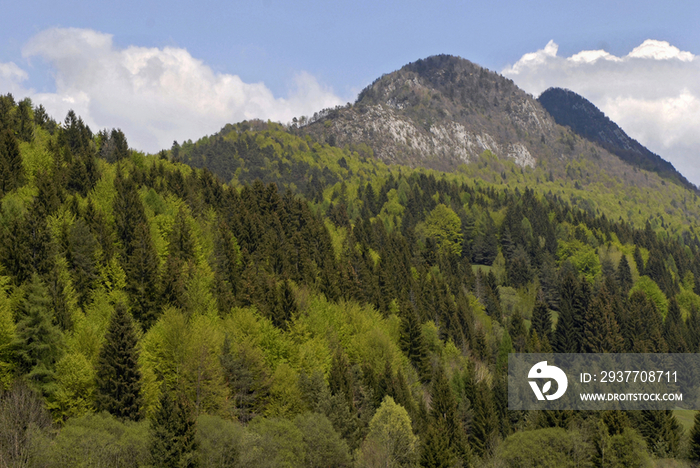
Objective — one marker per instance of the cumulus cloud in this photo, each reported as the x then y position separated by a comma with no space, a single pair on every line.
653,93
155,95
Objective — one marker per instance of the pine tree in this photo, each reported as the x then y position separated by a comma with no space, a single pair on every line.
542,318
624,275
118,375
444,417
38,341
638,260
412,343
173,431
11,169
142,276
695,440
601,332
435,449
567,336
674,330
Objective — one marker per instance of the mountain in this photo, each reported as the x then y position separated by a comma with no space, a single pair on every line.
584,118
441,112
447,114
321,299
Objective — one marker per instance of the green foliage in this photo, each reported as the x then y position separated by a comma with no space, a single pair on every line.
98,440
390,441
653,292
545,448
118,376
445,227
7,335
172,442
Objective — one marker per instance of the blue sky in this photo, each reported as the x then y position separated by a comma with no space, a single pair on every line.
274,59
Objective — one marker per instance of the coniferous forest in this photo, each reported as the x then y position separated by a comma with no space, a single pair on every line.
260,298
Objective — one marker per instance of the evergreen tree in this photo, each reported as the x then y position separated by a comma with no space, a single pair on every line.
542,318
624,275
639,260
118,375
435,449
601,332
11,168
412,343
173,432
38,341
567,336
695,439
674,330
142,276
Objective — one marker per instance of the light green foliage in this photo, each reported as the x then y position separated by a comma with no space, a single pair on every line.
338,236
365,335
582,256
390,441
653,292
75,387
220,442
545,448
185,356
89,329
279,443
324,447
97,440
444,225
285,399
7,334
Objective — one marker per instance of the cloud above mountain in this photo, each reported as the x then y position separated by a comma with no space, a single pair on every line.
653,93
156,95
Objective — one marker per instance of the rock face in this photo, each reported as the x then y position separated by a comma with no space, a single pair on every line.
441,112
583,117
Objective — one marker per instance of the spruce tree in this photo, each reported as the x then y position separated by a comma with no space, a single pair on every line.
674,330
601,331
695,440
11,169
624,275
444,417
38,341
142,276
118,375
542,318
412,343
173,431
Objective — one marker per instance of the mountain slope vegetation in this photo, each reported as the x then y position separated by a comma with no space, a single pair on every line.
320,308
570,109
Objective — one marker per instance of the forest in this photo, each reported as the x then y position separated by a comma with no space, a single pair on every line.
260,299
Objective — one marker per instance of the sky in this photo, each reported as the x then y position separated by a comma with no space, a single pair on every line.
178,70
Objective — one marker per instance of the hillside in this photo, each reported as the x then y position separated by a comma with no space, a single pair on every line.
308,321
574,111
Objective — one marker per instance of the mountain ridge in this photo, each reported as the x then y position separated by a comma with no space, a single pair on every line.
583,117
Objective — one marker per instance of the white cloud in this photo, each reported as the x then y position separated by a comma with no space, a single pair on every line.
653,93
155,95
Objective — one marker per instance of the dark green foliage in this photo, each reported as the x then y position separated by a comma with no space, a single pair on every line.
445,419
11,169
413,345
173,434
568,335
661,432
38,341
247,380
485,427
118,375
694,451
624,275
601,334
81,253
674,329
644,327
142,276
435,449
542,319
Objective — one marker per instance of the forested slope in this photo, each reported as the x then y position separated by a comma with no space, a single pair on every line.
353,314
